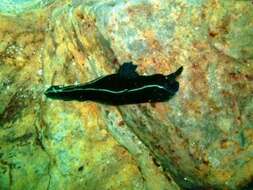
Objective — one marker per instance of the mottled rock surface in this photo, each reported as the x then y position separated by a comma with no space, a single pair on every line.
202,138
53,145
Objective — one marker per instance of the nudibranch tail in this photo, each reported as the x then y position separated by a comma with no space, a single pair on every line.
175,74
179,71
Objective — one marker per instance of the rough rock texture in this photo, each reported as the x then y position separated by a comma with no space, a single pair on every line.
200,139
53,145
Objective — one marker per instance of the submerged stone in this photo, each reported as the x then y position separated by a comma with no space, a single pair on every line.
200,139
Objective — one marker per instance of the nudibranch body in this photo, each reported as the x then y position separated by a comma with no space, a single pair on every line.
124,87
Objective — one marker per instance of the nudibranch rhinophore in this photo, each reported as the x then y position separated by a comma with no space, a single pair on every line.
124,87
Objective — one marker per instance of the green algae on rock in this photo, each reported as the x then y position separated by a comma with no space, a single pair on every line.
13,7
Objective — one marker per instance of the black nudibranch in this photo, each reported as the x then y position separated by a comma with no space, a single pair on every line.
124,87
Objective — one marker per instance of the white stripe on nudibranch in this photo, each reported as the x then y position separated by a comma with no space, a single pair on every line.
114,91
70,88
147,86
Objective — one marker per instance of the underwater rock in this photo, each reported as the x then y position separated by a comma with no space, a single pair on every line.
201,138
49,146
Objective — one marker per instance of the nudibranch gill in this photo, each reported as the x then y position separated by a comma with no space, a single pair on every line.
124,87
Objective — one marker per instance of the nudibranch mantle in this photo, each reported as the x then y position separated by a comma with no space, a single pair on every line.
124,87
